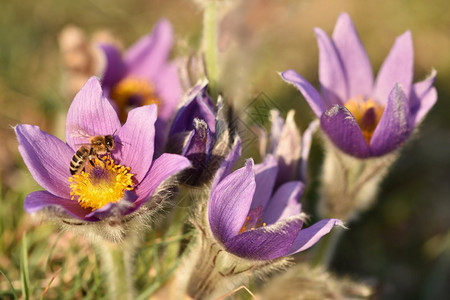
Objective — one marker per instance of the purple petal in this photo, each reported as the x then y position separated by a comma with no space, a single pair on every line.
42,199
332,77
423,98
228,164
265,243
394,126
311,95
397,67
117,209
198,151
306,147
230,202
168,89
146,57
115,67
199,140
284,203
198,105
136,139
288,150
311,235
277,124
90,114
162,168
354,57
343,130
254,218
265,176
47,158
161,128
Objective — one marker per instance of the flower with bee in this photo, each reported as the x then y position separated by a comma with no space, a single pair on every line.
116,177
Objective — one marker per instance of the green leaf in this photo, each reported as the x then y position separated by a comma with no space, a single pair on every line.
24,277
10,284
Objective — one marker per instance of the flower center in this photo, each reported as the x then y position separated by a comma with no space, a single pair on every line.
132,92
103,183
253,220
367,113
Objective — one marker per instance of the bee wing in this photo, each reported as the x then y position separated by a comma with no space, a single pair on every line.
82,144
79,133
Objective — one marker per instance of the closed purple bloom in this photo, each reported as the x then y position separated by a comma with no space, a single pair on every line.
253,222
193,134
143,75
198,105
116,184
365,117
290,149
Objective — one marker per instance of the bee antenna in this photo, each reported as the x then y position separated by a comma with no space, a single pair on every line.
120,143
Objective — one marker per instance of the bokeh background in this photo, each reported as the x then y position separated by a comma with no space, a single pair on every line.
401,246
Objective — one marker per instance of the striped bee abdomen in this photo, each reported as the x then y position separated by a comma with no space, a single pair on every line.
79,159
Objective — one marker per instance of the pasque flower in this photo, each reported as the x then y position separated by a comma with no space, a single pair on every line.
253,222
247,226
111,186
143,75
365,117
290,149
200,132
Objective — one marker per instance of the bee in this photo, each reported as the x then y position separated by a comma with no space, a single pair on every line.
98,145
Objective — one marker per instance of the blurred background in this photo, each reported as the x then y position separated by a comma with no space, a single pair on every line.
401,246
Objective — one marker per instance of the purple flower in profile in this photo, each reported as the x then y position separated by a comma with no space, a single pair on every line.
365,117
115,184
193,134
197,105
143,75
253,221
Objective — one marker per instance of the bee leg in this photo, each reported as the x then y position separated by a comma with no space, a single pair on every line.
91,162
91,157
101,160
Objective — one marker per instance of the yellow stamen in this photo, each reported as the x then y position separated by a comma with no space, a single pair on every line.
103,183
260,223
244,227
367,113
132,92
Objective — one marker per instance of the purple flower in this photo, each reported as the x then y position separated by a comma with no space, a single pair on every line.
253,222
290,149
143,75
362,116
193,134
198,105
111,185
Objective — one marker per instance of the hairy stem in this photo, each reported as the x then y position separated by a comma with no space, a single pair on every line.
118,268
325,249
349,186
210,44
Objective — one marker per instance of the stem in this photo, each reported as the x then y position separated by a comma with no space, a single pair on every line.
349,186
210,44
176,228
117,266
325,249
